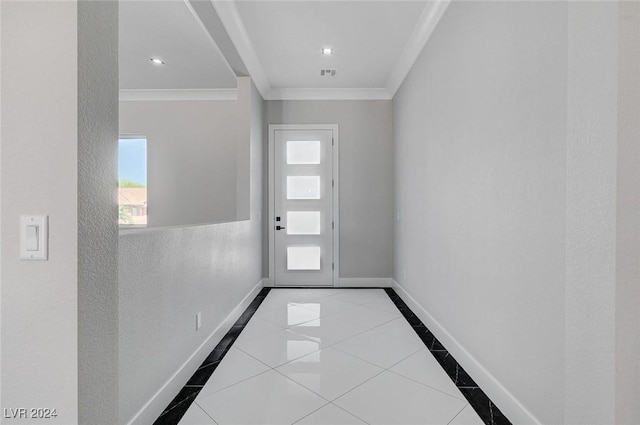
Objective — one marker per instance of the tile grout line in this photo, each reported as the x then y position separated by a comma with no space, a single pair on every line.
171,416
458,414
382,369
229,340
205,412
491,415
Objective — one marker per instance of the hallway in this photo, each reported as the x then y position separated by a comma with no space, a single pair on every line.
330,356
482,177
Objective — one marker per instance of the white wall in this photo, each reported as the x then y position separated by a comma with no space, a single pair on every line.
166,276
39,176
196,158
366,178
479,132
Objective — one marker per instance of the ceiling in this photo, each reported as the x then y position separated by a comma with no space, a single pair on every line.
167,29
206,43
367,38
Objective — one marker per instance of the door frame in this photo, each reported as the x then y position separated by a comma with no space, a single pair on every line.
336,194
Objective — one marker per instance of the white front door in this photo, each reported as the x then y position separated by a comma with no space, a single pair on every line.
303,219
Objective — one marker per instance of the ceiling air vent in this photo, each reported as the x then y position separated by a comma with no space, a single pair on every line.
327,72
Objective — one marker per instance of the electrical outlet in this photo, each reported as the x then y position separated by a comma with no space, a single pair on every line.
198,320
404,276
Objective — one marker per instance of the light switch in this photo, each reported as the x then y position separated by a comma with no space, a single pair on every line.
34,237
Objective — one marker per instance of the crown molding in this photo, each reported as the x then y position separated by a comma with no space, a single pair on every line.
232,22
427,22
328,94
178,94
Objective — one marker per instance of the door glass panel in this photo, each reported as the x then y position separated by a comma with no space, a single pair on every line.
303,152
303,258
303,222
303,187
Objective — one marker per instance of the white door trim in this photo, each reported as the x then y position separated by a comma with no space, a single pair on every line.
336,193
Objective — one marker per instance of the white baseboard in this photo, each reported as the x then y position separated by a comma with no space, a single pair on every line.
507,402
358,282
161,399
350,282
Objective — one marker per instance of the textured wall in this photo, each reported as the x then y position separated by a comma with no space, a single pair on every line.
366,177
166,276
97,212
39,176
479,133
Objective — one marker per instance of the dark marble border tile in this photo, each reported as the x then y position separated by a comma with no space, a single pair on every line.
326,287
483,406
181,403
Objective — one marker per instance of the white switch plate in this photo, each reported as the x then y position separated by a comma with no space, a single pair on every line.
41,222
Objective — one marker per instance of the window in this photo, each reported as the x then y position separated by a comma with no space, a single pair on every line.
132,181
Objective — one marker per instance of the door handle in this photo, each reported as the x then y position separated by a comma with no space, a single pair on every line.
279,227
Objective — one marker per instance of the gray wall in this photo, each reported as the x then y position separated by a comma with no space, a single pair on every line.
628,219
590,286
197,154
479,132
166,276
366,178
97,212
38,168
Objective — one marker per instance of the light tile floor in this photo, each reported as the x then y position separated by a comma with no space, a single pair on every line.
329,357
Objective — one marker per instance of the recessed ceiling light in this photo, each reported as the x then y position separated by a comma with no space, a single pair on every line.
157,61
327,51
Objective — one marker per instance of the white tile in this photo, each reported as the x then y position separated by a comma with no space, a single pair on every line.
327,306
196,416
329,373
275,304
330,415
423,368
371,316
296,295
378,348
269,398
290,315
384,304
392,399
398,327
361,296
278,348
358,292
331,329
468,416
258,326
279,298
327,292
236,366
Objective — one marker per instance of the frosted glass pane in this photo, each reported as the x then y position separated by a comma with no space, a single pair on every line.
303,258
303,187
303,222
304,152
